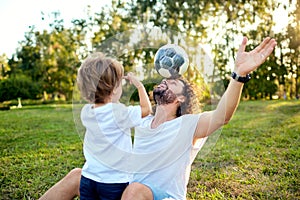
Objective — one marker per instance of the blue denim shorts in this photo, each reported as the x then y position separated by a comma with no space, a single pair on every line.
159,194
92,190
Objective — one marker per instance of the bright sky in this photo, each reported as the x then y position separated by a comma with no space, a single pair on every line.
17,15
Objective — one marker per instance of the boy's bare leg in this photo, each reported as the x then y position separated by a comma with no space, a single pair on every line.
66,189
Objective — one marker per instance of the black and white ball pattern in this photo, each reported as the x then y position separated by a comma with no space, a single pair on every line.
171,61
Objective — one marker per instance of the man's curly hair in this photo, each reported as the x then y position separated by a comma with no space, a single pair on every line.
191,104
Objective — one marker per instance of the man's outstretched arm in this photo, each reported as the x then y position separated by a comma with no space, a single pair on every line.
245,63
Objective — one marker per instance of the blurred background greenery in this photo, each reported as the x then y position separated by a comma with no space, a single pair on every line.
44,66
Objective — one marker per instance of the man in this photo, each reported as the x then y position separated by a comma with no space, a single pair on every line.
176,132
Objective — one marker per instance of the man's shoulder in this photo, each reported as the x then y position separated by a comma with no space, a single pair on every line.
191,116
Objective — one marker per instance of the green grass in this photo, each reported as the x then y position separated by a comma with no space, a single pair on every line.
257,155
39,145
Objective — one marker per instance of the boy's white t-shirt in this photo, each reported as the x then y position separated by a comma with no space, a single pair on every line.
108,131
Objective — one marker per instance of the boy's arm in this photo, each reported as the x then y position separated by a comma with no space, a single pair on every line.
144,99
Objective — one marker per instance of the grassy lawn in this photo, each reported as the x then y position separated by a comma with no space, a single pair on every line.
257,155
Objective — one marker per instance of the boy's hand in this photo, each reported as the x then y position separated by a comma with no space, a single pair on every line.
133,80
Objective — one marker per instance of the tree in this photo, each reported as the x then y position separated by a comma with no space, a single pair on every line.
19,86
4,67
50,58
294,53
126,30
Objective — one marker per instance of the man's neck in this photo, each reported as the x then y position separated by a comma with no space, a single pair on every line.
163,113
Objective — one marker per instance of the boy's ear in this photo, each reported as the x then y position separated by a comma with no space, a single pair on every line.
114,90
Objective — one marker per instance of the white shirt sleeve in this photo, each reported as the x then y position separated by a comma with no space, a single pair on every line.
127,117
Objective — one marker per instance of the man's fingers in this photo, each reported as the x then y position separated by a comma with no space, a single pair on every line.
243,45
271,45
267,48
263,45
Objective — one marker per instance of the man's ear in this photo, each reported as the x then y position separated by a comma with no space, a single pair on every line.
181,99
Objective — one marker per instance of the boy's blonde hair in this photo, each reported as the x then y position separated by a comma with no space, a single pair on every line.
98,76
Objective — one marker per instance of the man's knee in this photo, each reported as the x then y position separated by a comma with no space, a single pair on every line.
73,180
137,190
74,173
66,189
73,176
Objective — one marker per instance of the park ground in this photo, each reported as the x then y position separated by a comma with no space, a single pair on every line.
255,156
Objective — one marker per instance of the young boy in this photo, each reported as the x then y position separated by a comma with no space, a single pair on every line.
107,124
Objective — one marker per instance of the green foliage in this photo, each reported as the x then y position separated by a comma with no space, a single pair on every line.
19,87
293,33
219,87
51,57
262,83
4,68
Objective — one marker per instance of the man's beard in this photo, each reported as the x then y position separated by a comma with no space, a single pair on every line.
163,96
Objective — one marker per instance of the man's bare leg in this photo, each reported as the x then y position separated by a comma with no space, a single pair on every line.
137,191
66,189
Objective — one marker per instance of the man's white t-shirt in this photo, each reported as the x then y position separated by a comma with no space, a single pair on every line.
170,172
107,137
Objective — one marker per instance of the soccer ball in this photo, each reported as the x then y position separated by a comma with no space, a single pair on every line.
171,61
